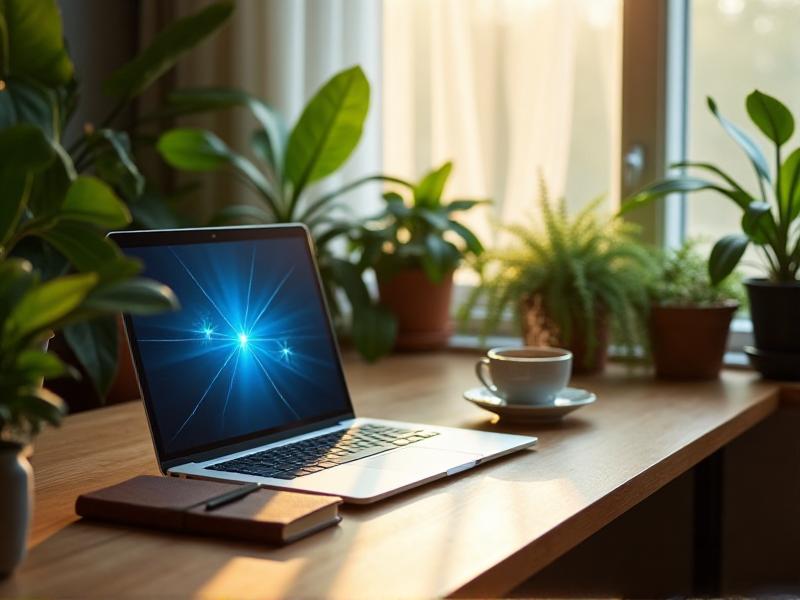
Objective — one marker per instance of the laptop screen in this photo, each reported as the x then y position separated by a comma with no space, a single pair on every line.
250,351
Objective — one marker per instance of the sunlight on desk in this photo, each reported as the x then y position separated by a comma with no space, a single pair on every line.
243,577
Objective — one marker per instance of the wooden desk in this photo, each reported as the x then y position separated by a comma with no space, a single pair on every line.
479,533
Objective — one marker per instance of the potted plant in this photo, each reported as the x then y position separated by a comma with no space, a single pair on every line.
291,161
414,245
769,223
689,316
33,304
40,88
570,282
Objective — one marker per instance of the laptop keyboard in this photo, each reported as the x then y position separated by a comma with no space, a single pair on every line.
323,452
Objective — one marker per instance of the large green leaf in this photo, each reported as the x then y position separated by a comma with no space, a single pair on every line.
32,42
181,36
440,257
50,185
460,205
348,277
434,218
755,222
725,255
114,164
35,364
193,150
429,191
470,239
24,147
789,189
46,304
24,151
672,185
771,116
750,148
711,169
374,331
95,345
81,244
14,194
91,200
325,199
328,130
201,150
23,101
16,278
139,296
272,136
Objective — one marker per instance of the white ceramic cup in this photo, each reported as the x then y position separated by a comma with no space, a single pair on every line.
526,375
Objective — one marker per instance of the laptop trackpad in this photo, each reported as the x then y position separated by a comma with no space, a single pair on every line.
420,460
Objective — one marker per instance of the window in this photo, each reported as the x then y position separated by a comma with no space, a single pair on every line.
506,89
736,46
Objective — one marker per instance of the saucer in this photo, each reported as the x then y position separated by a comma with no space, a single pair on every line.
774,365
568,399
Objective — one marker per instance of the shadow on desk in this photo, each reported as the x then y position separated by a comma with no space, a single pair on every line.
152,561
647,552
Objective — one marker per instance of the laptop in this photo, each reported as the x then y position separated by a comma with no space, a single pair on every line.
245,383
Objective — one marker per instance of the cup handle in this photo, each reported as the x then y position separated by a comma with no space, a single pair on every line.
481,370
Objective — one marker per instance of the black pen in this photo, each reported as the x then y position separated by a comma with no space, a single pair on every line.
231,496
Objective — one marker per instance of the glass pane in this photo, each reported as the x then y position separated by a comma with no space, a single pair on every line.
736,46
506,89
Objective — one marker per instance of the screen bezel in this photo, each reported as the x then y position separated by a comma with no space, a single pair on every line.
176,237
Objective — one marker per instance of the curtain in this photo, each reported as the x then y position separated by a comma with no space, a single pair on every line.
507,89
281,51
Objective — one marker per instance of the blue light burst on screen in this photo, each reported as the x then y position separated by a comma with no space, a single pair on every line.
250,349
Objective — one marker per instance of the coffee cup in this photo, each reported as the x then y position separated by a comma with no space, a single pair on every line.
526,375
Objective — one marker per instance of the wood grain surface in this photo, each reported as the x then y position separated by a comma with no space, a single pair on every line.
476,534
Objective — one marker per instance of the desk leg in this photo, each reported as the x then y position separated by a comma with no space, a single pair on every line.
708,507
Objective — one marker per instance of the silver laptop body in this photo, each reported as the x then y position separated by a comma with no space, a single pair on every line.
214,423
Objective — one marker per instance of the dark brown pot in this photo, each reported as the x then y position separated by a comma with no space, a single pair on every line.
422,309
538,329
125,386
688,342
80,394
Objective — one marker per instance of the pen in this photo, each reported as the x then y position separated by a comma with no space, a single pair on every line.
231,496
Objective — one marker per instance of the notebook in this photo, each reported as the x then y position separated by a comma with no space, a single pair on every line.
177,504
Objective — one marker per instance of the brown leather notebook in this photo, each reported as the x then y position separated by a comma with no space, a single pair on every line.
181,505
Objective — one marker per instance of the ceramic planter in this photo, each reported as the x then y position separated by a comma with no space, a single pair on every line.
16,504
688,342
538,329
422,309
775,310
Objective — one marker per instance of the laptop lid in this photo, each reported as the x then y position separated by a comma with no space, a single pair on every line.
250,356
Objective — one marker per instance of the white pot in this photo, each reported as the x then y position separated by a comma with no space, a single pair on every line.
16,505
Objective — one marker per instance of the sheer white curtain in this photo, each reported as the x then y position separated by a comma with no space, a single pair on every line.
282,51
498,86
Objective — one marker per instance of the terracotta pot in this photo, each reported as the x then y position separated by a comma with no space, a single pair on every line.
688,342
16,504
422,309
538,329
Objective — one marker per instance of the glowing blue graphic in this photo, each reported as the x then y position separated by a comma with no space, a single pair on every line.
249,351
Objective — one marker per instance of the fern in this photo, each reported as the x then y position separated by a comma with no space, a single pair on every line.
582,269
